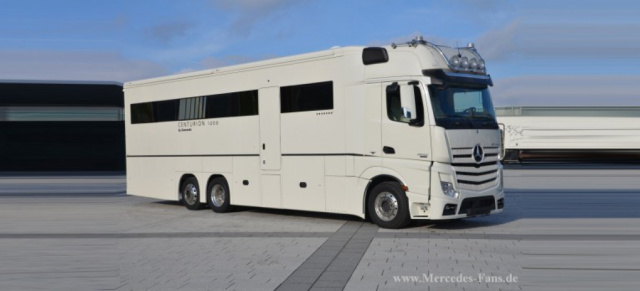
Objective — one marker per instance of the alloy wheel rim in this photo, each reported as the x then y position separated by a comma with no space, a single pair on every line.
218,194
190,194
386,206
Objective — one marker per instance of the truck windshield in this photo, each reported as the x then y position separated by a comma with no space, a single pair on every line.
462,107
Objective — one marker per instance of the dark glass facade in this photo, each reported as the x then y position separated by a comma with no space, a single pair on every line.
61,127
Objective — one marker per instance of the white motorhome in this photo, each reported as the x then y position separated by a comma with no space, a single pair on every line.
394,133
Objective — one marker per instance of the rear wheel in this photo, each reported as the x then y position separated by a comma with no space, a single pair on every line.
388,206
191,194
218,195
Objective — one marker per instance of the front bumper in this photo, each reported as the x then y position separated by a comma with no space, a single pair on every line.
466,207
468,203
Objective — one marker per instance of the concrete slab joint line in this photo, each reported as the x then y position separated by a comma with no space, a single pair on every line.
333,263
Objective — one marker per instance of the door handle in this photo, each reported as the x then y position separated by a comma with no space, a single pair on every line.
388,150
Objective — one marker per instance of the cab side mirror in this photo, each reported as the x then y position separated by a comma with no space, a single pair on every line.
408,101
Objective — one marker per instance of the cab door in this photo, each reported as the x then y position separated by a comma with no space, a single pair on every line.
406,143
404,137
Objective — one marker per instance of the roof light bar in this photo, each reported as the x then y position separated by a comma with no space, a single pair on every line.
460,59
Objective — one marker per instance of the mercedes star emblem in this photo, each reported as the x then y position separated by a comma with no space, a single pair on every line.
478,154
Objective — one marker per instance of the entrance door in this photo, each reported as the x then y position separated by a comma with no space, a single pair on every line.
269,110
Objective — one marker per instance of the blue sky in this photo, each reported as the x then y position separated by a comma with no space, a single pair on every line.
538,52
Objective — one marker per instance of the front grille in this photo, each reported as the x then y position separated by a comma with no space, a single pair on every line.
477,205
476,176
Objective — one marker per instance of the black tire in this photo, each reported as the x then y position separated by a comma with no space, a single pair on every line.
190,194
391,196
221,203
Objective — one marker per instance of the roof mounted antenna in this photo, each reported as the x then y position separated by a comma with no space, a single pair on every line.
413,43
458,48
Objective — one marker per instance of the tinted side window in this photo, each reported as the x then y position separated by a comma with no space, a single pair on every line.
232,104
212,106
141,113
165,110
308,97
394,110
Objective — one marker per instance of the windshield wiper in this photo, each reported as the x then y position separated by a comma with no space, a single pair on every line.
467,119
487,120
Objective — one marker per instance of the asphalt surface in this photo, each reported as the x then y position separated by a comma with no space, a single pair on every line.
563,228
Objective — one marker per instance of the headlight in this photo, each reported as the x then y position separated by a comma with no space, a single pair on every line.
447,189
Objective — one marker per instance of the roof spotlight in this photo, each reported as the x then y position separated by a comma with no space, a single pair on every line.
454,61
464,63
473,64
481,65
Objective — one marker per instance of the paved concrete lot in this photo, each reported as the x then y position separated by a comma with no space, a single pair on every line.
563,229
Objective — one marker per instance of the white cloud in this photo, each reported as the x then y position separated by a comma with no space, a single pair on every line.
501,43
217,62
167,32
249,12
409,37
567,90
524,38
70,65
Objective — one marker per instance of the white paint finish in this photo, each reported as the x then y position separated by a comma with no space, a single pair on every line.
371,123
246,168
367,167
355,96
335,192
335,166
414,173
349,169
342,195
231,136
409,59
309,170
269,108
153,177
271,191
440,148
217,164
470,137
188,164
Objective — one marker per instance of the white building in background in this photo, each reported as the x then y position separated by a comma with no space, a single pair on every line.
570,134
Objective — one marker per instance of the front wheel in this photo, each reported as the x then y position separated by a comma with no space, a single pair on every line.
388,206
218,195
